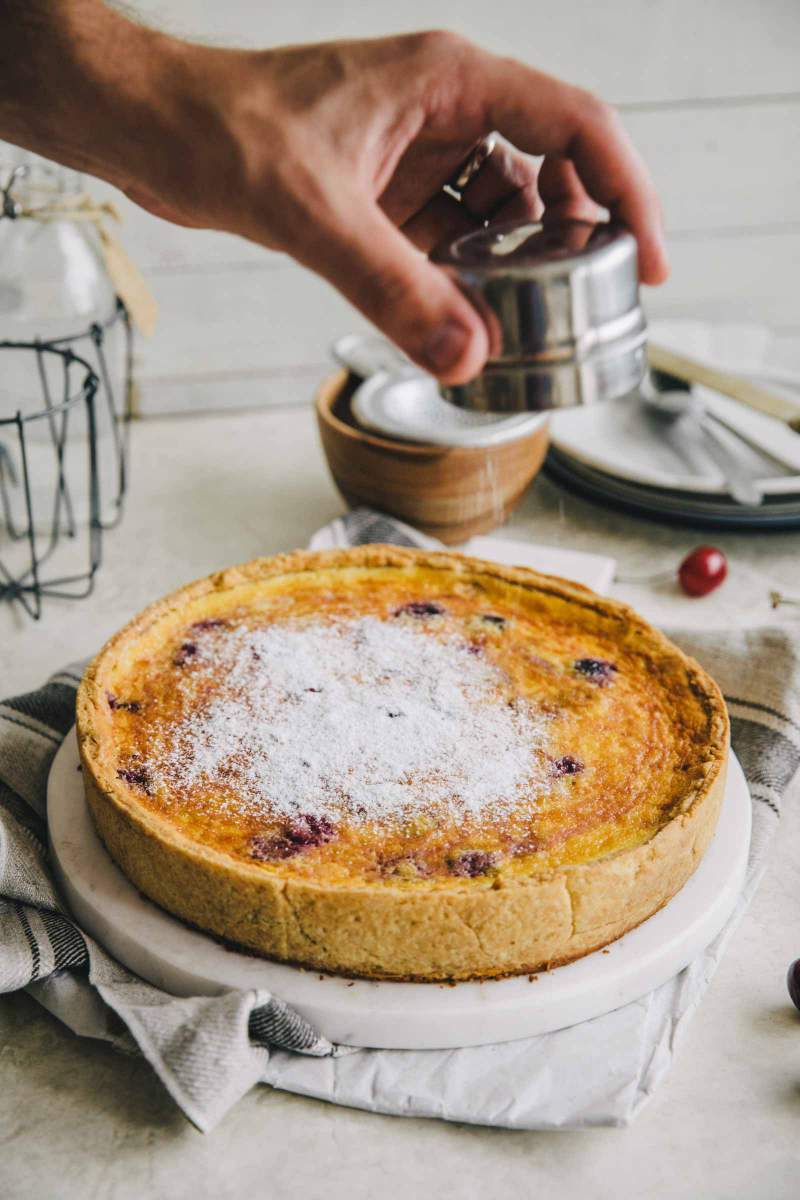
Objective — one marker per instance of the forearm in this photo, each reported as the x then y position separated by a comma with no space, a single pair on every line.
78,81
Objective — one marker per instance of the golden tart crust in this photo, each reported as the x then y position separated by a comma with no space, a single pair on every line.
610,744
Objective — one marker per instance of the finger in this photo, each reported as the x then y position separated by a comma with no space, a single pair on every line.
503,189
421,173
525,205
441,219
505,172
412,301
542,115
562,192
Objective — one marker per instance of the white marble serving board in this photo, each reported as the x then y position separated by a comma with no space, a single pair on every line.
183,961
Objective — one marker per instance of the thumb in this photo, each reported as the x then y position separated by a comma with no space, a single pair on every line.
410,300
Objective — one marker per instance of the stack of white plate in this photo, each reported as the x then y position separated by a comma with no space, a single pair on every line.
625,455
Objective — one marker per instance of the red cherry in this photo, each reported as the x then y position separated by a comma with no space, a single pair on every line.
793,982
702,571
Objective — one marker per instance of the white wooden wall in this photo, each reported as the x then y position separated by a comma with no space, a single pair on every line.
709,89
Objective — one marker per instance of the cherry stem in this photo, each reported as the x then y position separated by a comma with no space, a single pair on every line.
777,599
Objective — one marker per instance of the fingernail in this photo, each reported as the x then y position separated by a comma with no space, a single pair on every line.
445,346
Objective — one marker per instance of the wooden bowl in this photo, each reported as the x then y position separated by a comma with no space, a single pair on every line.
450,493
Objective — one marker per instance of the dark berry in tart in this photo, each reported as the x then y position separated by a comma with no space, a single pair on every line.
186,653
420,608
472,863
566,765
599,670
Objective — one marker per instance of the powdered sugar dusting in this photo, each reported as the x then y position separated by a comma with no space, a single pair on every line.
361,719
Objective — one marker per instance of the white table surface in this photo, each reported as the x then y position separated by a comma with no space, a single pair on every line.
79,1120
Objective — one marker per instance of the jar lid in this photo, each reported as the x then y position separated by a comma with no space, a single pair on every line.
561,302
30,184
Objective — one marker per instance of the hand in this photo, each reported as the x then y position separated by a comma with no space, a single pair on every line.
337,155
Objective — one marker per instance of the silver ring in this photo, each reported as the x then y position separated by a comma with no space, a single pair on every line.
474,163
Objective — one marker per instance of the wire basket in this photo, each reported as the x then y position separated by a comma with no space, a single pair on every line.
107,346
66,356
63,462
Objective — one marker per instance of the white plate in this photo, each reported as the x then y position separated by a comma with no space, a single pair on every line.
393,1015
624,439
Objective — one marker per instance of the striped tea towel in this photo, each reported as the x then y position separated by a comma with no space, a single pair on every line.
209,1051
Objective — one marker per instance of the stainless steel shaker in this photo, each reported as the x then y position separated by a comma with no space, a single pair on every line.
561,301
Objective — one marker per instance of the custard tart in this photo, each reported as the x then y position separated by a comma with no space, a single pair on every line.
397,764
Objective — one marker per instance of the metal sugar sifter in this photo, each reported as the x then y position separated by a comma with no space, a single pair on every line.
561,301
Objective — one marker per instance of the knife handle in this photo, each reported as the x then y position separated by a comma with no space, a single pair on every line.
743,390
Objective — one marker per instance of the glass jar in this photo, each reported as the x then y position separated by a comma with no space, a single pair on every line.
55,289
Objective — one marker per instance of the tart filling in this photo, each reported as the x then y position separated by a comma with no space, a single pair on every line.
419,728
